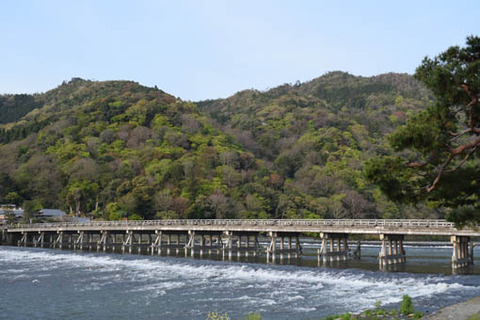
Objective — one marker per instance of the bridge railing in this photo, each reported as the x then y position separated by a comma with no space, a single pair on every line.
370,223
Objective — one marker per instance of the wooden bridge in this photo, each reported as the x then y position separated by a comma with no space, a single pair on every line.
241,236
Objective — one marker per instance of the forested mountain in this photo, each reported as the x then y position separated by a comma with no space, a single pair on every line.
117,149
14,106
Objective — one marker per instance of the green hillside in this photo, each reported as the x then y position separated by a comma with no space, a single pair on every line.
117,149
317,135
14,106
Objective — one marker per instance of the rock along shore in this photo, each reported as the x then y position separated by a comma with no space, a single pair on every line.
459,311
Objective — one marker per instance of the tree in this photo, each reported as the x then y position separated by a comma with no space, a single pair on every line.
31,211
13,198
10,217
439,159
82,196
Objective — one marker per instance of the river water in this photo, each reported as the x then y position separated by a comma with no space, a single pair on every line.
40,283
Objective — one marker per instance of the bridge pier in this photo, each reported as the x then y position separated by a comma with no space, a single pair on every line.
39,240
334,247
204,242
80,240
462,252
59,240
157,244
128,242
238,242
173,243
272,249
392,251
24,239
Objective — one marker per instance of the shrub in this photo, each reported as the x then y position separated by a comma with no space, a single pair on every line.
253,316
406,307
217,316
417,315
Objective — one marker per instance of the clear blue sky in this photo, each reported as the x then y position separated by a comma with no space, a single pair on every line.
208,49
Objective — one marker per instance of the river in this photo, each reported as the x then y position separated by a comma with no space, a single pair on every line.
40,283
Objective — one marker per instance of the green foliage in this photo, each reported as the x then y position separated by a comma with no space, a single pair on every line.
253,316
13,198
217,316
31,210
346,316
465,215
417,315
406,307
116,150
134,217
15,106
10,217
436,157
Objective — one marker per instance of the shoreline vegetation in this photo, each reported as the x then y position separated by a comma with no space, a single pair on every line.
406,310
467,310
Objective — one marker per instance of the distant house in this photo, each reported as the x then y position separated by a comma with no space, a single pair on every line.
6,209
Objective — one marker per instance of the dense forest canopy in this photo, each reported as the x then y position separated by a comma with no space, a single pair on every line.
116,149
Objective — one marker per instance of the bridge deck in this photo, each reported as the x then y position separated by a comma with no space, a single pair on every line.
358,226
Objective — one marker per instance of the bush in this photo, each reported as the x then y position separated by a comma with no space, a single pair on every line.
217,316
253,316
417,315
406,307
135,217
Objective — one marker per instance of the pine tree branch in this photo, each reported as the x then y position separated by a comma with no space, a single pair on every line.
464,159
462,148
440,173
432,157
453,153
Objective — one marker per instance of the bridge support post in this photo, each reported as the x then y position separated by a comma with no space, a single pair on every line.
272,249
59,240
103,239
23,240
235,244
177,249
228,245
79,241
334,247
39,240
357,253
158,241
461,256
128,241
191,243
392,251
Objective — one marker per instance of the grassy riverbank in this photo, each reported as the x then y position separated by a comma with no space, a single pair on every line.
406,310
468,310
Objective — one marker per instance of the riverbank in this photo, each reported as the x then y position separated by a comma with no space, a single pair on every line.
459,311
